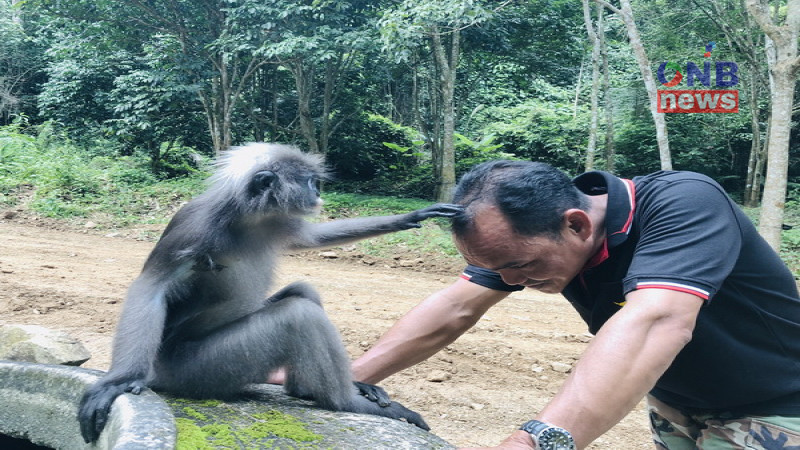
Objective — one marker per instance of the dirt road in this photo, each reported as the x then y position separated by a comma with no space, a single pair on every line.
495,377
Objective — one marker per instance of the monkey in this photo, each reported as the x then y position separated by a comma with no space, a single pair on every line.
196,322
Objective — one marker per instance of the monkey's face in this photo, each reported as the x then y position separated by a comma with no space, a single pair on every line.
285,189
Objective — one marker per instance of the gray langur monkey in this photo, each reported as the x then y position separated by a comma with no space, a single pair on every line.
196,321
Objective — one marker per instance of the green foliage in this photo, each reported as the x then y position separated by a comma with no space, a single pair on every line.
373,154
21,60
70,181
470,153
409,23
153,106
539,130
378,156
370,146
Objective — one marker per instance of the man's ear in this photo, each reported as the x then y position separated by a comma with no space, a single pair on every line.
576,221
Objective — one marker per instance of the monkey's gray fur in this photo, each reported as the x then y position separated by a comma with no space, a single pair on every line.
196,322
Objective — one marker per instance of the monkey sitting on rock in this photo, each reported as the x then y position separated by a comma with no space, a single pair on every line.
196,321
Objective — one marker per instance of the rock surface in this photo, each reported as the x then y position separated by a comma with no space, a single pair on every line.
39,403
42,345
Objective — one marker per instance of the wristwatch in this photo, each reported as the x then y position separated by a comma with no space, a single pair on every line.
549,437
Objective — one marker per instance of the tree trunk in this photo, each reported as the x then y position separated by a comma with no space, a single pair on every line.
758,175
775,182
207,99
327,103
303,79
783,71
578,88
626,13
608,106
591,147
755,146
447,63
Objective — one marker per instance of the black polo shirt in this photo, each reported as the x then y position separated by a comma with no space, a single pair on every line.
680,231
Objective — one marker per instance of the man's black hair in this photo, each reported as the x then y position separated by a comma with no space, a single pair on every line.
531,195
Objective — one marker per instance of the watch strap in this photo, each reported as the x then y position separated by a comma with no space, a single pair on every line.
547,436
534,427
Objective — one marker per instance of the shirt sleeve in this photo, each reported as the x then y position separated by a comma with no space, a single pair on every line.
689,238
488,278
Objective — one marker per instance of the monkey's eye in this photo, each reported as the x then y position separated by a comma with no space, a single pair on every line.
262,180
313,185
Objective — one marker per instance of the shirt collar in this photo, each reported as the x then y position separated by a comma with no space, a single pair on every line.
621,202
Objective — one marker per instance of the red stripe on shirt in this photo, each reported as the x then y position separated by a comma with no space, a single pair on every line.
674,288
632,201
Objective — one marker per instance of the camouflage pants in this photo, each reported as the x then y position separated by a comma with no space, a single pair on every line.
675,430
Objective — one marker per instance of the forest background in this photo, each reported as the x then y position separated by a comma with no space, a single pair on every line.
111,109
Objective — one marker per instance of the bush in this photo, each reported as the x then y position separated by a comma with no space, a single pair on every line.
72,181
536,130
357,151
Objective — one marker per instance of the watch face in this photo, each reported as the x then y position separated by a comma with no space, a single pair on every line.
556,439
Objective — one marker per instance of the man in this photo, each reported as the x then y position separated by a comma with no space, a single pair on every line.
689,304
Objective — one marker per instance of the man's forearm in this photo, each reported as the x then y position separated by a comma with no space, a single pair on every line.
430,326
397,350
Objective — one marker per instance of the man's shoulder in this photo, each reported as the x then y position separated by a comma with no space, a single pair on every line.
670,184
673,176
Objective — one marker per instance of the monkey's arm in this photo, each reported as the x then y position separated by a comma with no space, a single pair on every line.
342,231
136,343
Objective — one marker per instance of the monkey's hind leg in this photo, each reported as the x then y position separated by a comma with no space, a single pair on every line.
319,367
291,330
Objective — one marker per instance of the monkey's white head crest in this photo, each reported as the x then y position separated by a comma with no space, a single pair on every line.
237,165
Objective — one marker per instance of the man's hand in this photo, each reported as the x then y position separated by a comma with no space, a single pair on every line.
519,440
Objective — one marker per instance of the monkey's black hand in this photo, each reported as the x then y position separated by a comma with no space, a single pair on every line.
401,412
438,210
373,393
96,405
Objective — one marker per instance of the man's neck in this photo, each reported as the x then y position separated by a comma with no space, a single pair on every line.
597,212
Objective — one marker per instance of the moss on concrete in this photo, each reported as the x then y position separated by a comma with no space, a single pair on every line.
190,436
276,423
194,414
213,424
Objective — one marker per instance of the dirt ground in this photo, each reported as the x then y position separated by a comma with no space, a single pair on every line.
495,377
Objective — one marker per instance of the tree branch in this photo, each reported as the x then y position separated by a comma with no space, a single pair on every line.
587,18
610,7
737,39
760,14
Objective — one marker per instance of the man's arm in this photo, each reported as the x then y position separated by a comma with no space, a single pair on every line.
623,362
430,326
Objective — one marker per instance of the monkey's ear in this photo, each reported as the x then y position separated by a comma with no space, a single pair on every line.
262,180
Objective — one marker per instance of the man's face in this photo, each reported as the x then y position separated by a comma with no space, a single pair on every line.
541,262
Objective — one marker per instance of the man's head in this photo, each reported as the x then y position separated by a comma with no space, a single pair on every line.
525,220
